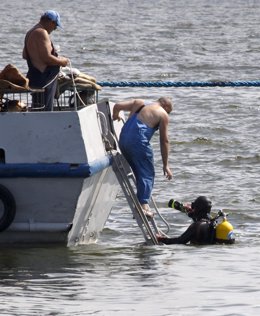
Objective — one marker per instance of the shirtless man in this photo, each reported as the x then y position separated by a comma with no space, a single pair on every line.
42,59
134,142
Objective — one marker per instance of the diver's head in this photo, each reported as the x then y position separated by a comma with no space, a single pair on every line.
201,207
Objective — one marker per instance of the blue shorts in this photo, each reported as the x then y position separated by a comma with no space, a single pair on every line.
140,159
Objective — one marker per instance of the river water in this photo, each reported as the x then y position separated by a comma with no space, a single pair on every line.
214,152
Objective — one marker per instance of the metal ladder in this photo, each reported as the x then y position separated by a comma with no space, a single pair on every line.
126,180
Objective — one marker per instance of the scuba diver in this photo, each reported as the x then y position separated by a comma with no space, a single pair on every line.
204,230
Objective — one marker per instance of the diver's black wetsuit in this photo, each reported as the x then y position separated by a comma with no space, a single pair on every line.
200,232
38,79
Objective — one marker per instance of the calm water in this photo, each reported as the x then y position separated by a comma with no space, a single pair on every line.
214,151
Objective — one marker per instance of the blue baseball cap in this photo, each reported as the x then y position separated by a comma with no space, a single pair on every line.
53,16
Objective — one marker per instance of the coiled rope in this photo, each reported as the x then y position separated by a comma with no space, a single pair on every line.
179,83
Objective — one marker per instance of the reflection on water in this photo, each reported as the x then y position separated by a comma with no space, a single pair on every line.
102,280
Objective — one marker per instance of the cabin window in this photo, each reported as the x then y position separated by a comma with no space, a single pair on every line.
2,155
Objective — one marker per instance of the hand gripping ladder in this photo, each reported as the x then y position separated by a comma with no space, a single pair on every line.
126,180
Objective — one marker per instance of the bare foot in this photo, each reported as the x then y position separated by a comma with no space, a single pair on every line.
148,213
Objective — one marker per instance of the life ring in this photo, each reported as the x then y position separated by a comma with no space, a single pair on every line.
9,210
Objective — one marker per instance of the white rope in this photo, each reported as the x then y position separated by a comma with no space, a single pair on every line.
49,83
76,93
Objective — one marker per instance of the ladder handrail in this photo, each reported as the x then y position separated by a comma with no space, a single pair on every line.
138,213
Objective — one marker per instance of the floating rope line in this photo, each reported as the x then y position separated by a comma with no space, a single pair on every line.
179,83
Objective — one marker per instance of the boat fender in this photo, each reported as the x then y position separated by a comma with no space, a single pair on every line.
225,233
9,208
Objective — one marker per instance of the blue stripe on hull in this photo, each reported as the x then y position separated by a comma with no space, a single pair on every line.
54,170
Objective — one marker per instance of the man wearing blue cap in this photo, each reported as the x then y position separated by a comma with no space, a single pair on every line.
42,59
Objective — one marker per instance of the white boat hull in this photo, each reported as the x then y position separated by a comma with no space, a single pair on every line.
56,167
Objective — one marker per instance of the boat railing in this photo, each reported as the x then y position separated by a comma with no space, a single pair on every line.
74,98
16,99
21,100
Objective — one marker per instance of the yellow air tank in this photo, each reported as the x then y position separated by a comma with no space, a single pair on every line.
225,233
